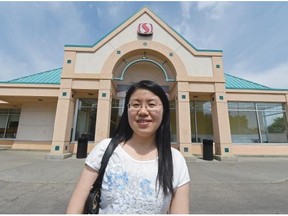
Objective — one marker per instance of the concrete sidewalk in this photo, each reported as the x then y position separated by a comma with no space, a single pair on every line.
30,184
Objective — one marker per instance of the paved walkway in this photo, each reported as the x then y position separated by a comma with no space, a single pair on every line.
30,184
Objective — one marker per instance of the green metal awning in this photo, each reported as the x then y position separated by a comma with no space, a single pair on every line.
233,82
54,77
46,77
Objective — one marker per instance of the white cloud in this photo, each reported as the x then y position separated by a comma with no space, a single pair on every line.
275,77
11,66
201,25
206,4
35,35
185,27
186,10
115,8
99,12
213,10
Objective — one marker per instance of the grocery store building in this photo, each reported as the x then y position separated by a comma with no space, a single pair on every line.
52,109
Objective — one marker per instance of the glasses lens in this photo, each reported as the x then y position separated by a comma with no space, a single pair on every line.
152,107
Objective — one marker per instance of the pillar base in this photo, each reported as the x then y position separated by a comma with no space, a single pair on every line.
58,156
225,158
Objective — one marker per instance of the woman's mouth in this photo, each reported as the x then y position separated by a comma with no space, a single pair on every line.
143,122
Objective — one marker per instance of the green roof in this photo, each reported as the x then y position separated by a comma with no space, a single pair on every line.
54,77
46,77
233,82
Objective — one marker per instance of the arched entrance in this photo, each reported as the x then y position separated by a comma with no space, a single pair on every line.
142,65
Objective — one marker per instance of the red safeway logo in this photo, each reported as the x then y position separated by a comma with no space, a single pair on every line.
145,29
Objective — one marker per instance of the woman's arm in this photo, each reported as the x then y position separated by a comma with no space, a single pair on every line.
81,192
180,200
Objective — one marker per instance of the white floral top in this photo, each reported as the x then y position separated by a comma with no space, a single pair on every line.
129,186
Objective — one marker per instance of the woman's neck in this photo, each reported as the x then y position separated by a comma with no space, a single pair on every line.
141,148
143,142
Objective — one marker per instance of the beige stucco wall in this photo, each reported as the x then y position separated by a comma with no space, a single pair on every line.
196,66
147,71
27,90
92,62
261,149
36,122
254,96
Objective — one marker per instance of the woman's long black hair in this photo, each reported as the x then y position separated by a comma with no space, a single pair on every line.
124,132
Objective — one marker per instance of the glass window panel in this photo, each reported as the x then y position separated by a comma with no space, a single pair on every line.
173,128
244,127
246,106
116,113
270,106
203,106
273,126
15,111
9,121
86,119
12,126
201,120
4,111
269,119
3,122
204,125
193,126
241,106
232,105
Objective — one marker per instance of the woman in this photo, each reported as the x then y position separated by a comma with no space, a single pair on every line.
144,174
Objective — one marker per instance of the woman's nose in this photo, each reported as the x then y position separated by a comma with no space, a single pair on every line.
143,111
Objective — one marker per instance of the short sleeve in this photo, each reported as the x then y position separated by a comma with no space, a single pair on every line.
180,169
95,156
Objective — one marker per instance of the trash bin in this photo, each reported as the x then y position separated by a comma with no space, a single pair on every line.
82,147
207,149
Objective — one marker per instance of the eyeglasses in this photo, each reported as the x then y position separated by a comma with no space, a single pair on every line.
150,107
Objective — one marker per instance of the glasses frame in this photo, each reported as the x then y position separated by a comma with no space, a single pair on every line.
146,106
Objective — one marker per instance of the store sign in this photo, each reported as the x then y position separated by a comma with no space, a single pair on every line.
145,29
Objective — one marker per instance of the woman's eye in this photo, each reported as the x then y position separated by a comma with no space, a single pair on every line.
135,105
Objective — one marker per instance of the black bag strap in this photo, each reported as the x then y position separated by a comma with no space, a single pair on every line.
107,154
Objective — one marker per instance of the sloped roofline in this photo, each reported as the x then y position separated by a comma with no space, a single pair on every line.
52,77
124,24
262,87
55,75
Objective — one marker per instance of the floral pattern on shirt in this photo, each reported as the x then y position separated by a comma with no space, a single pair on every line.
131,194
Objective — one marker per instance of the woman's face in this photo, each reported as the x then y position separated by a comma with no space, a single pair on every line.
145,113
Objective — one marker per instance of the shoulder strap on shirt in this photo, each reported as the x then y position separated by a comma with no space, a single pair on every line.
107,154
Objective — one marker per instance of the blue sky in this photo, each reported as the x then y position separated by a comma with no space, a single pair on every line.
252,35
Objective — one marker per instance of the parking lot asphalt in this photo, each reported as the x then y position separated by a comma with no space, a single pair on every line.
31,184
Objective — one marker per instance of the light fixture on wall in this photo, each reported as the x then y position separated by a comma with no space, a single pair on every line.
144,57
